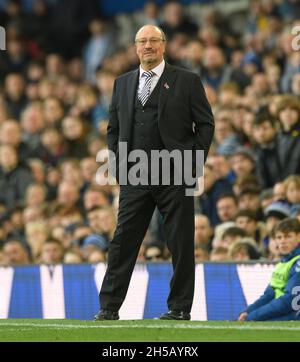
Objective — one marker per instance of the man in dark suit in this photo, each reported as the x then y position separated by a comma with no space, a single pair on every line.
156,107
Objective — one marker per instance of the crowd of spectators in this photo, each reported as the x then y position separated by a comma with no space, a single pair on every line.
56,82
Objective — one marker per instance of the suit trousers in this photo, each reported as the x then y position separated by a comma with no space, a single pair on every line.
136,206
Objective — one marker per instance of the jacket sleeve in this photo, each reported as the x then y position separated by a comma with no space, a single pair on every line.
113,123
113,133
282,305
202,116
263,300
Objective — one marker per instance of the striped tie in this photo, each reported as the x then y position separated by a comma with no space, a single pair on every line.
145,92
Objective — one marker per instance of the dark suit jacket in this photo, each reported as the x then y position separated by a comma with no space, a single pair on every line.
185,119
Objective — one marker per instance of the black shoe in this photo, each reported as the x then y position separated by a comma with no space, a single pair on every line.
106,315
177,315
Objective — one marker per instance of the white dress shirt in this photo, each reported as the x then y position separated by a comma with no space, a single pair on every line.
158,70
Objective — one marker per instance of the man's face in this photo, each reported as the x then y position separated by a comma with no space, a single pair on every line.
241,165
249,201
94,218
287,242
264,132
14,254
10,134
8,157
226,209
220,166
52,253
279,191
213,58
67,194
246,224
94,198
14,85
288,117
293,192
150,46
202,230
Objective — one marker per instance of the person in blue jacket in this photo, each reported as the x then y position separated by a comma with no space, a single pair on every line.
281,299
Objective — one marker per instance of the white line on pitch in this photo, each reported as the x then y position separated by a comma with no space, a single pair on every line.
98,325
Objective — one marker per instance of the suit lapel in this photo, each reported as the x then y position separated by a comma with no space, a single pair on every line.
166,85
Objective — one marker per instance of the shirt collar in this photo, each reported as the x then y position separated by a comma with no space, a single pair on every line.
158,70
292,254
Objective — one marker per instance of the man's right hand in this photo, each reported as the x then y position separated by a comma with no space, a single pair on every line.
243,316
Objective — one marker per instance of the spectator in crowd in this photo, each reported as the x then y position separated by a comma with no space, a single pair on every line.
219,254
243,250
217,72
71,172
52,252
53,148
15,253
102,221
35,195
213,188
36,233
264,134
274,213
292,190
75,136
227,207
32,123
153,253
95,197
176,22
249,199
231,235
288,147
266,198
243,163
14,177
150,15
15,97
97,48
201,253
11,134
88,167
247,220
279,191
72,257
53,111
193,56
68,195
94,243
225,137
104,83
273,252
296,85
221,167
203,231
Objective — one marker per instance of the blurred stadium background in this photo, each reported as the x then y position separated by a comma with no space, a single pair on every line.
56,81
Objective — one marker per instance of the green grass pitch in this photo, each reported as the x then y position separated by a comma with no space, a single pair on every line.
54,330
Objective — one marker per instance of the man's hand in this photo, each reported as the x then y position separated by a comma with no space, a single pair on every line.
243,317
